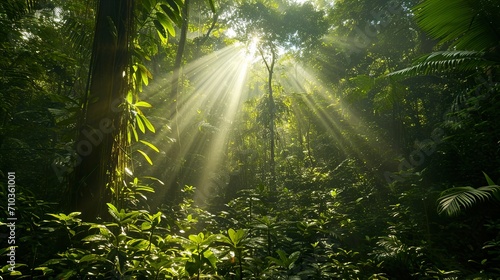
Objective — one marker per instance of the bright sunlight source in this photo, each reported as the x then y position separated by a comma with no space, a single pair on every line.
252,52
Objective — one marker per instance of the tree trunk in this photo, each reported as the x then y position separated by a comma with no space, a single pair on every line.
180,51
98,144
272,163
272,113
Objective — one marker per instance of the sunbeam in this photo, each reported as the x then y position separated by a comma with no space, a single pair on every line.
351,133
204,110
201,119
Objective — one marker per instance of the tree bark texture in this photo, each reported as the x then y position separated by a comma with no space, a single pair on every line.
98,144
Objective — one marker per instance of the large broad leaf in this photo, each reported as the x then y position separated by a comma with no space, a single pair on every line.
236,236
172,13
166,22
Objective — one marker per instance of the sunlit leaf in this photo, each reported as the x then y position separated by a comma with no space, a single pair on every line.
166,23
150,145
94,238
113,211
130,97
161,30
144,189
155,179
175,5
146,157
136,136
142,104
171,14
144,75
148,124
140,124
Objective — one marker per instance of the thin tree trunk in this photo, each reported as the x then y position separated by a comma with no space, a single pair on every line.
271,128
173,154
272,113
180,51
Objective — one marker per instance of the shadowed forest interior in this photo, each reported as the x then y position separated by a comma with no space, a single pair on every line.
259,139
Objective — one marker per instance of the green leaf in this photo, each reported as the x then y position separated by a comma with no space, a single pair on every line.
157,217
276,261
145,74
488,179
146,226
144,189
236,237
166,23
210,258
94,238
176,4
282,255
150,145
171,14
138,244
140,124
467,25
446,61
454,200
161,30
293,258
90,258
146,157
113,211
148,124
197,238
130,97
44,270
154,179
143,104
136,136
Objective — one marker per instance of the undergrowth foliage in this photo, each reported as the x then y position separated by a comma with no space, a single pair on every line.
249,239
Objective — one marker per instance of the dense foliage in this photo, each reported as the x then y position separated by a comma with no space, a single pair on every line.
170,139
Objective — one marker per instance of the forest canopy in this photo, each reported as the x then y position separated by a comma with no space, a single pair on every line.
261,139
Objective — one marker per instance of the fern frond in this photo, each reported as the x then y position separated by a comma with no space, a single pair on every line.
447,61
454,200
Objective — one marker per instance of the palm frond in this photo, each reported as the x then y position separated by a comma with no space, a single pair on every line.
454,200
15,9
447,61
466,24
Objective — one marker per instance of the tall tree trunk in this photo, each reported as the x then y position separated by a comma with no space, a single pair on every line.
173,155
272,113
98,146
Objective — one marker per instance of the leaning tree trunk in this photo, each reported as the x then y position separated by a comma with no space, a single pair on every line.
98,147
